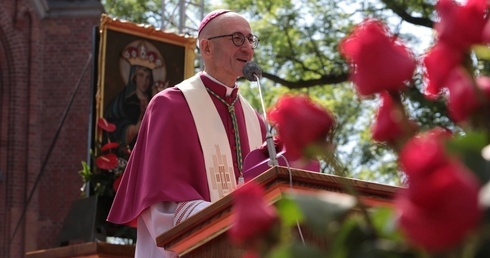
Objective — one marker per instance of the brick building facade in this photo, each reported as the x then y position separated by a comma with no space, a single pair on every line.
44,48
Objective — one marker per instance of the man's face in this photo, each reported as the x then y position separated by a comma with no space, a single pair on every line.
228,59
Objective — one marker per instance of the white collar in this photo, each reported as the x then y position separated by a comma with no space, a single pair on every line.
228,89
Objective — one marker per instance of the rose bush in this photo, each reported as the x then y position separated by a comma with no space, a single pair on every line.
441,211
440,189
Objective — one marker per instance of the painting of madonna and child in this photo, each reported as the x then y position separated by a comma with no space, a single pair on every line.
135,63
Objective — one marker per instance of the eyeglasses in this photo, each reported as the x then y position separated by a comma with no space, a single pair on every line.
238,39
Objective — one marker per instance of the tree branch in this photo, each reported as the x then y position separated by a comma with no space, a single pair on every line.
326,79
401,11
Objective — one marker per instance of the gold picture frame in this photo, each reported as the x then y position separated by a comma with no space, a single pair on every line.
123,47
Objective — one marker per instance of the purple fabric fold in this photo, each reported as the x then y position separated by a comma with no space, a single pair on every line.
257,162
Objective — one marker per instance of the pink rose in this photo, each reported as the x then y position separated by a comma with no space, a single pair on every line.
252,215
378,61
300,122
438,210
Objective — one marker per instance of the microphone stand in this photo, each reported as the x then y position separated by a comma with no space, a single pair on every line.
268,137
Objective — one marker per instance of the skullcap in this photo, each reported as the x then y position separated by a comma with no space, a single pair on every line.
210,17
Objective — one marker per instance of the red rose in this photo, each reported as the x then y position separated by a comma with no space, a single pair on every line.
252,216
439,62
461,25
107,161
379,62
424,153
391,124
463,100
250,254
437,211
300,122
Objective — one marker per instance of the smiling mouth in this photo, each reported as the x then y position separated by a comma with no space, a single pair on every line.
242,60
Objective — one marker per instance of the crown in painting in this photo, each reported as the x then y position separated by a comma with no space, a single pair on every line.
140,55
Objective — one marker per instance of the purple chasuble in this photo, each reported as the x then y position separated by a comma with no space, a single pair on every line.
167,164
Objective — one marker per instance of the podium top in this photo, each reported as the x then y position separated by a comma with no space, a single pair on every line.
215,219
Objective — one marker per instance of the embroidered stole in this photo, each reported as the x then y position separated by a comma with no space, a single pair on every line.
216,149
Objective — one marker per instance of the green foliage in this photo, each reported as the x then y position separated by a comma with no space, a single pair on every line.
86,173
298,52
468,148
137,11
289,212
323,210
337,227
296,250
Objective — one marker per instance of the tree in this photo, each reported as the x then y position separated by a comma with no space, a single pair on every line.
299,52
137,11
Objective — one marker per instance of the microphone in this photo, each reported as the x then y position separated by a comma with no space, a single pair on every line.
252,72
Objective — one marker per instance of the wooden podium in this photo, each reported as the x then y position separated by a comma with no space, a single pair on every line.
204,234
85,250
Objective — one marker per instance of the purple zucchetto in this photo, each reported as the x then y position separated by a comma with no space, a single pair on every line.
210,17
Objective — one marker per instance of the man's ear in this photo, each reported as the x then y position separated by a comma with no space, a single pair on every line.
204,47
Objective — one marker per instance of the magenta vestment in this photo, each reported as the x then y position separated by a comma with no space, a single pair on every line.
166,164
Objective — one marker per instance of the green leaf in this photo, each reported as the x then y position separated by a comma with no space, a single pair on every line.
323,211
383,219
470,141
482,51
289,212
355,240
468,148
296,250
86,173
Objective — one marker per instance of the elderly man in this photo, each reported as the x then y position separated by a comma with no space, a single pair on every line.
193,137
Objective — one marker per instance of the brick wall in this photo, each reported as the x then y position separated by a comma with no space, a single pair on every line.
42,57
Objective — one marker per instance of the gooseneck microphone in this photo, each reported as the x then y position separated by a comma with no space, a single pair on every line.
252,72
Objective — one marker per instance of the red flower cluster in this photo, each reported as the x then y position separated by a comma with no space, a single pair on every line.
440,187
372,54
109,160
300,122
252,215
104,176
460,27
391,122
440,206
